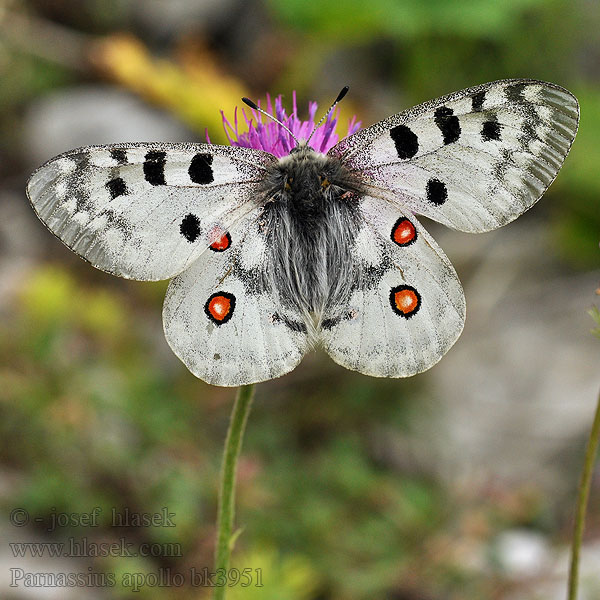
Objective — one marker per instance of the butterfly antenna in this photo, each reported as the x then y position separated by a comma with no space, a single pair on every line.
337,100
255,106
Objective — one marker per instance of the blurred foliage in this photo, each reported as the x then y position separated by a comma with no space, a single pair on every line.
577,216
117,425
281,578
354,20
595,314
96,411
194,88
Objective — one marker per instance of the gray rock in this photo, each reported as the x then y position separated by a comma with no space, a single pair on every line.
20,240
175,17
516,394
94,114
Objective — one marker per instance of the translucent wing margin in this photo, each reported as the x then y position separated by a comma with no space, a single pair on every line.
473,160
146,211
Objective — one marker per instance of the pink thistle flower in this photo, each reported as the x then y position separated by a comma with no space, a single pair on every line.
271,137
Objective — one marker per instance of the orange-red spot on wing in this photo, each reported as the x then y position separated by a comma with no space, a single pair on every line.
219,307
405,300
220,240
404,232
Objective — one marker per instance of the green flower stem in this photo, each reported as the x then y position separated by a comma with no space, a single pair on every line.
233,443
582,501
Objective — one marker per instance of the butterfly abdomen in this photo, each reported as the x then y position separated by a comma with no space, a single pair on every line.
311,214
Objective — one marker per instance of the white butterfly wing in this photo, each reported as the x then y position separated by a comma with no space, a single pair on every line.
146,210
225,321
473,160
408,308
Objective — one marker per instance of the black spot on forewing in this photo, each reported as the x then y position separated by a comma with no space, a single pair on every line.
200,170
514,92
436,192
190,227
447,123
119,155
405,140
528,133
477,101
154,167
490,130
116,187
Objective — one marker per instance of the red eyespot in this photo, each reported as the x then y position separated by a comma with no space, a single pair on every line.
404,232
219,307
405,300
220,240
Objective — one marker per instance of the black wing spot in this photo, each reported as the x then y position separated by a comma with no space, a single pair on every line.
190,228
477,101
119,155
329,324
514,93
436,192
405,140
490,131
296,326
447,123
154,167
200,170
116,187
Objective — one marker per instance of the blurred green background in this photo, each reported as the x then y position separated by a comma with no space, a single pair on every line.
457,483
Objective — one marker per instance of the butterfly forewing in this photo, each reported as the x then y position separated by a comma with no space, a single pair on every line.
473,160
146,211
224,319
408,307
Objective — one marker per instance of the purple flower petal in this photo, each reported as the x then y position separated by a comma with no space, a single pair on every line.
271,137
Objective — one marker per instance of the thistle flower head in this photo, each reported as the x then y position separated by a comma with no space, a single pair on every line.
264,134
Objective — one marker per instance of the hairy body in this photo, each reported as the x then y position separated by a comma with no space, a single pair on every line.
311,218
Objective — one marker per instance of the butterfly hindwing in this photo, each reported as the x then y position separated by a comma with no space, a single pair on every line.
407,308
225,321
145,211
473,160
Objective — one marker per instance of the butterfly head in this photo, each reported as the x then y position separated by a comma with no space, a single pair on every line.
306,175
302,149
